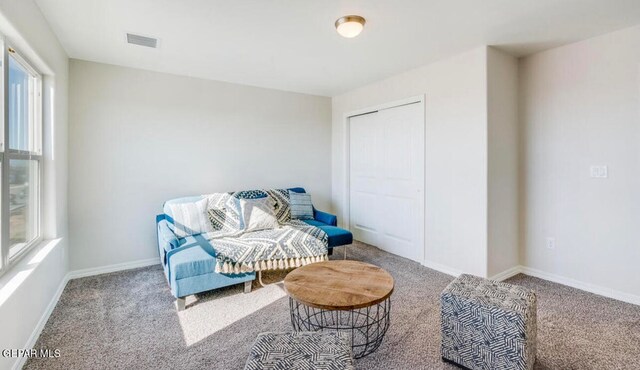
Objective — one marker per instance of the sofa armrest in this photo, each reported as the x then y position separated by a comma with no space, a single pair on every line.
325,217
167,240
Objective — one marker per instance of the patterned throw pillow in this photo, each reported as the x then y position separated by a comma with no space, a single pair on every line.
282,206
190,218
233,202
258,214
249,194
301,206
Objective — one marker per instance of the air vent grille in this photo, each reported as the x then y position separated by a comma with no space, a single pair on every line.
149,42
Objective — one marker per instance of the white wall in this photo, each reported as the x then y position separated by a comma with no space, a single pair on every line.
502,177
139,138
580,106
30,286
456,153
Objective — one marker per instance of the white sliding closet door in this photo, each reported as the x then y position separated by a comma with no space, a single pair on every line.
386,181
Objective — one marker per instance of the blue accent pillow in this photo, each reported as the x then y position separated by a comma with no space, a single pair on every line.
301,206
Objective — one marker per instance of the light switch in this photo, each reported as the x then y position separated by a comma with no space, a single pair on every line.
599,172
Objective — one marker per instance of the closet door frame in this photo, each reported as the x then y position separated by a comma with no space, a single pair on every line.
346,214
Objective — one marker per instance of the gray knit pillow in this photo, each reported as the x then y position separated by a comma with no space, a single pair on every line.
301,206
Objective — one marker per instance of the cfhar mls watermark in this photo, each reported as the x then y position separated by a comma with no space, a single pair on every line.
31,353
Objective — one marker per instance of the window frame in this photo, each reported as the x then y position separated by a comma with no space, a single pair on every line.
7,154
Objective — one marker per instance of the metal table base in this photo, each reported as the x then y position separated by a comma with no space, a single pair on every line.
367,326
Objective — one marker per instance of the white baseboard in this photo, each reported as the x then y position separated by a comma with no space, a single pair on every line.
56,297
587,287
113,268
35,334
453,272
504,275
442,268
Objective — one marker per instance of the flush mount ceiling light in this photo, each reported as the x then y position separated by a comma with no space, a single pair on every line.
350,26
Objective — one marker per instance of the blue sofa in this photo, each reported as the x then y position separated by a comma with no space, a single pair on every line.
189,263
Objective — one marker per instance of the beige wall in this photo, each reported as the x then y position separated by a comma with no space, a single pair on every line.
580,106
502,177
456,154
139,138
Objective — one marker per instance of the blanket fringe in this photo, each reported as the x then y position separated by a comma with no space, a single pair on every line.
280,264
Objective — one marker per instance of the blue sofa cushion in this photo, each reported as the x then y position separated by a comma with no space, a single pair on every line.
315,223
337,236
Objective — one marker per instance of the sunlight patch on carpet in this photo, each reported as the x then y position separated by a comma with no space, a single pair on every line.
221,309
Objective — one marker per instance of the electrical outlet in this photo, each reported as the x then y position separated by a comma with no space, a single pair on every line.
599,172
551,243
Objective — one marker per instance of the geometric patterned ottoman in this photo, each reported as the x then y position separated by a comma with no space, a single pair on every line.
488,324
301,350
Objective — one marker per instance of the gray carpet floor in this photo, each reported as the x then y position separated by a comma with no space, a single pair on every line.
126,320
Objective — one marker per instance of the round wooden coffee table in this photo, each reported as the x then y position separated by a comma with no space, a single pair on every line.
346,296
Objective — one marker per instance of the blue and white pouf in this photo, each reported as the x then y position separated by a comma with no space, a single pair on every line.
488,324
301,351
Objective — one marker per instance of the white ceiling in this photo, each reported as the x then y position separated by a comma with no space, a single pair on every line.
292,44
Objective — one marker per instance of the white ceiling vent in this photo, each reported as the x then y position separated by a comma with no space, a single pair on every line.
149,42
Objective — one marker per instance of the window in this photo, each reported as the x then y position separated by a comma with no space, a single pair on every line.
21,156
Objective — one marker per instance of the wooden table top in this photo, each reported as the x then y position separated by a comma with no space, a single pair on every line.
339,285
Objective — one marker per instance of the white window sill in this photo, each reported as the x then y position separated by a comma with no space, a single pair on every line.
15,275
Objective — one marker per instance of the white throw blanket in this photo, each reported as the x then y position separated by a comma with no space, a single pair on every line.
294,244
